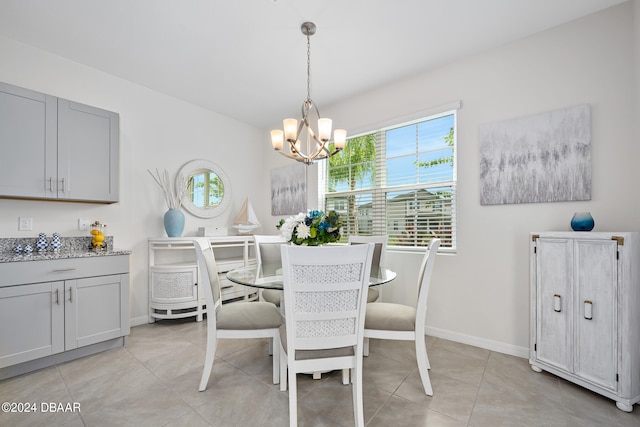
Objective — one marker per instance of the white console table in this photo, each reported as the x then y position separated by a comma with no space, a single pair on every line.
173,274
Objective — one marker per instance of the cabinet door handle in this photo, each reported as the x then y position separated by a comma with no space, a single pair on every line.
60,270
58,296
63,186
51,184
70,293
557,303
588,309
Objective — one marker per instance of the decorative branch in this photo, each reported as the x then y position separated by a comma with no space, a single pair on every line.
171,197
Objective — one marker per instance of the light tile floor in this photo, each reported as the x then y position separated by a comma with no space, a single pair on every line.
153,381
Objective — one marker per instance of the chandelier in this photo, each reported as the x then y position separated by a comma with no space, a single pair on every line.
317,143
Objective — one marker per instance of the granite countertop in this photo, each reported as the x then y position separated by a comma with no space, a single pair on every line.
72,247
62,254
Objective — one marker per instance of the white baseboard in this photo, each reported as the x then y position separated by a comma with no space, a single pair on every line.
137,321
500,347
438,333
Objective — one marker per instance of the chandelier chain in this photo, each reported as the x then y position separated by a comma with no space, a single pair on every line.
309,68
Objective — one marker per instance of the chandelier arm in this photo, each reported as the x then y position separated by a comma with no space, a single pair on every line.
296,153
304,160
324,146
321,144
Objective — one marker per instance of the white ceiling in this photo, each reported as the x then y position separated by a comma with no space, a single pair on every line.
247,58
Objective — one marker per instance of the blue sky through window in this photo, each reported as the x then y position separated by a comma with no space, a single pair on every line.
421,142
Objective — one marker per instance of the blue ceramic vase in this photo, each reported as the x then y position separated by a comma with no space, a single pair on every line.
582,221
174,222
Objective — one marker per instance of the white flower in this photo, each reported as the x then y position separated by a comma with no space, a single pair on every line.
303,231
286,230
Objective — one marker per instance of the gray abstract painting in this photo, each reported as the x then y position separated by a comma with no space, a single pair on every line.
289,190
536,159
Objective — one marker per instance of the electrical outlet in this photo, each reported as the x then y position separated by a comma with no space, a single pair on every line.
84,224
25,223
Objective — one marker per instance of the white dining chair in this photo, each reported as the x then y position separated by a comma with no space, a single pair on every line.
238,320
324,298
269,258
378,260
402,322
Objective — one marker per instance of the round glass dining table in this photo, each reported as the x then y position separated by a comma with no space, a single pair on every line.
253,276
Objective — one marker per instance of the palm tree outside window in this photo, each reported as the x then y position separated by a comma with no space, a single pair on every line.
399,181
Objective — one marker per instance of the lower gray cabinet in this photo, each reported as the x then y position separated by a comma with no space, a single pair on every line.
43,319
93,310
32,323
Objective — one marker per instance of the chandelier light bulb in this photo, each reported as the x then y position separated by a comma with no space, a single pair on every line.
339,139
324,129
290,129
277,139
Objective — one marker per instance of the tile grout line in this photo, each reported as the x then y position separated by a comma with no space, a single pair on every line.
475,400
66,386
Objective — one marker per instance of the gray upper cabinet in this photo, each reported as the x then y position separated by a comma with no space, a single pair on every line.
53,148
87,153
28,131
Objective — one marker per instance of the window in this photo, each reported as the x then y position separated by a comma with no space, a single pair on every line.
399,180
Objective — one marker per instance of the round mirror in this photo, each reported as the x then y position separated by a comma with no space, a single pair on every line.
208,189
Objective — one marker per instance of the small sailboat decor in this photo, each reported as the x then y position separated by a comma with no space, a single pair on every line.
246,220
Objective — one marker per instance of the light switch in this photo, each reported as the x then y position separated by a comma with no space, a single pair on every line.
25,223
84,224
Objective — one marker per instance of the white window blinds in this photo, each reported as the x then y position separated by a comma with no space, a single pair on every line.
399,180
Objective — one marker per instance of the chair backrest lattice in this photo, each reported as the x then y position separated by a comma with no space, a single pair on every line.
325,291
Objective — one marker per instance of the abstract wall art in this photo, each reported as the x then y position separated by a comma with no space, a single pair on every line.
289,190
537,159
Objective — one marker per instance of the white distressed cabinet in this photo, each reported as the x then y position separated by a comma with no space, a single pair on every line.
54,307
56,149
585,310
173,275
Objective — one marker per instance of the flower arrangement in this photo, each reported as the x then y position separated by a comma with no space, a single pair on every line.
313,228
171,196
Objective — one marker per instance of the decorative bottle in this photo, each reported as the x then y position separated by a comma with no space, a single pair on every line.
97,231
582,221
41,243
56,243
